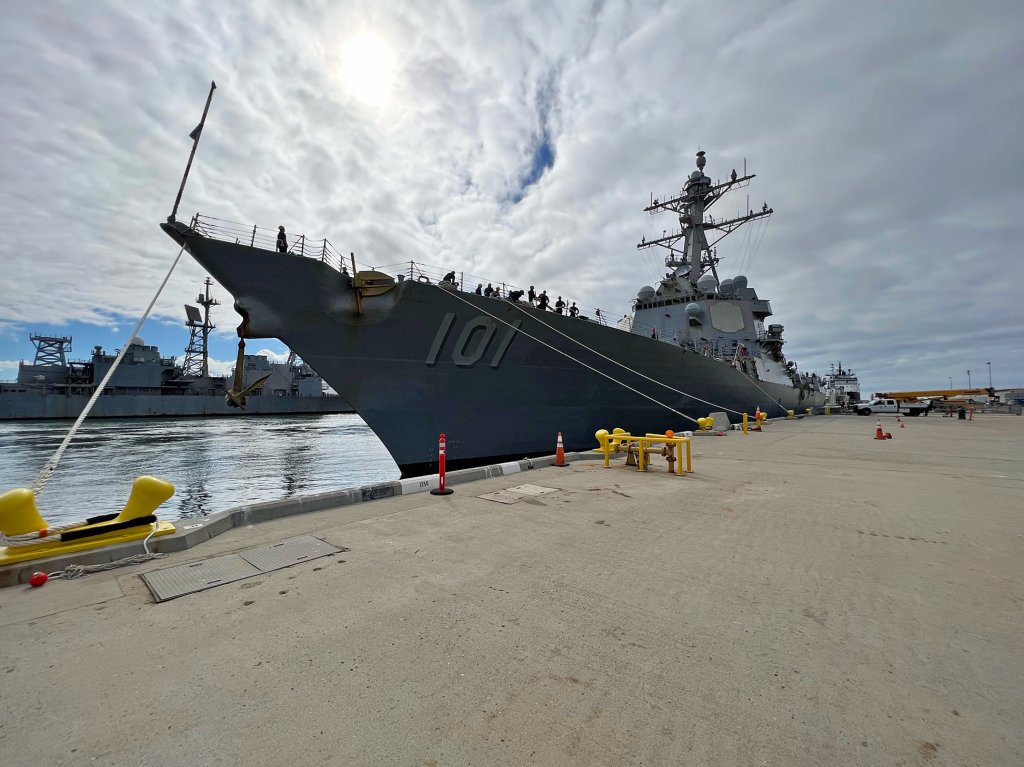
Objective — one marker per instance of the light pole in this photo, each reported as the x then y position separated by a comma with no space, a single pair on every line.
989,374
968,379
950,382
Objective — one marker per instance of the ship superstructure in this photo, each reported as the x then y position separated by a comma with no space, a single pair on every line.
147,384
841,386
692,307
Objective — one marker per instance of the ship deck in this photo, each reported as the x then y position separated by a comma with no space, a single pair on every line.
809,596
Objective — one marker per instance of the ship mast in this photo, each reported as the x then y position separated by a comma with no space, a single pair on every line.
197,357
694,256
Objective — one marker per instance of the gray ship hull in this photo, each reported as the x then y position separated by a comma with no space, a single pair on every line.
500,380
26,406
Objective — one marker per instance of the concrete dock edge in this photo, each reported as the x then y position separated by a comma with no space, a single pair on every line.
193,531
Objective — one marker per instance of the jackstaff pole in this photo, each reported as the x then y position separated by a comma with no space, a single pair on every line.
194,135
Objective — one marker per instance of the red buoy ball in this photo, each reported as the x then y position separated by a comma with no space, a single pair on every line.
37,579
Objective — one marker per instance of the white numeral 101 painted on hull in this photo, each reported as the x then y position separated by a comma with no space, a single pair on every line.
472,342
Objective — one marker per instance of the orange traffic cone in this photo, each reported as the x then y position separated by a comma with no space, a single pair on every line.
878,429
560,453
900,419
757,419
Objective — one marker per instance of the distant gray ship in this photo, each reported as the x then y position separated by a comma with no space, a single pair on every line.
418,357
148,385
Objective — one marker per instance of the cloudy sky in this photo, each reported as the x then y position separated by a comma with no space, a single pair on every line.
519,141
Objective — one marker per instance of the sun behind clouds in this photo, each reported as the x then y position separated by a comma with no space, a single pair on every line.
368,68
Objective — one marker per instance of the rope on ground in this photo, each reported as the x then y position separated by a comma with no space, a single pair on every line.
51,466
77,571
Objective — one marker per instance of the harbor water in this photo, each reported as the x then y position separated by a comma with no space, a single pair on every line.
213,463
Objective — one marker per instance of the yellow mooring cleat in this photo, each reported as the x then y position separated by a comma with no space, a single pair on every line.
29,537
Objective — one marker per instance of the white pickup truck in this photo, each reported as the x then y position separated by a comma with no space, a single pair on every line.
884,406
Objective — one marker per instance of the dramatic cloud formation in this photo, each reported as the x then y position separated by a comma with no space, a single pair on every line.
519,142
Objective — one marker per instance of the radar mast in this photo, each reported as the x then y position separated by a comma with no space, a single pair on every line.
694,256
197,357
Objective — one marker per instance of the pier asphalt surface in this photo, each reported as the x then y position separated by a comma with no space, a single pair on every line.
810,596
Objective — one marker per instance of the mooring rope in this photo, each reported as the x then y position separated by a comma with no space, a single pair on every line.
581,362
616,362
624,367
51,466
769,396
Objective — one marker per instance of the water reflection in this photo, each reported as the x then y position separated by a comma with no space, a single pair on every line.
214,463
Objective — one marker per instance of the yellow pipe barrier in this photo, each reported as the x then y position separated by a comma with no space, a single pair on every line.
607,442
745,427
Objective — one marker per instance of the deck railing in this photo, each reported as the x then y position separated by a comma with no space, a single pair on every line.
260,237
323,250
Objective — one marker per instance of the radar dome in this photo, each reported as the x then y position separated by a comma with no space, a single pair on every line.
692,310
739,282
706,283
646,293
136,341
695,176
726,287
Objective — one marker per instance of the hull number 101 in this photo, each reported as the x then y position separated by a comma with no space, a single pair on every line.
473,342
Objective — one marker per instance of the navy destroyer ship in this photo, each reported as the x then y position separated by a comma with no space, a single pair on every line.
417,356
146,384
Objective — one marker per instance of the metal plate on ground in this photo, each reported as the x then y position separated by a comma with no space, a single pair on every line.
502,496
197,576
533,489
174,582
286,553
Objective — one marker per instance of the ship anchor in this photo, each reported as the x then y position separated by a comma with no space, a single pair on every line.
235,396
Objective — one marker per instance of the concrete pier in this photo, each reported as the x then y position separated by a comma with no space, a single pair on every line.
810,596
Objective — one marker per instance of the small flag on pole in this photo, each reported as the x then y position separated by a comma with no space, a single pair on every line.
194,135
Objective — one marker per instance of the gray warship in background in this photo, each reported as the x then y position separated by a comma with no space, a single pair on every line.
148,385
417,356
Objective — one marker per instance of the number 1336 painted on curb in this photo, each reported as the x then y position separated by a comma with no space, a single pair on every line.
472,343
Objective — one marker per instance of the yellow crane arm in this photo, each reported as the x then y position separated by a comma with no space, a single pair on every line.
934,393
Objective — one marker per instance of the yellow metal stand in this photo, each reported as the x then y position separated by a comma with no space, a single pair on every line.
619,439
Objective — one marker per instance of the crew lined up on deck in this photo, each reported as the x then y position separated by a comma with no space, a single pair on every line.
540,300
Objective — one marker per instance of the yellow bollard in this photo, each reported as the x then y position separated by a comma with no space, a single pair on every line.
790,414
810,411
18,513
147,494
604,445
828,410
745,428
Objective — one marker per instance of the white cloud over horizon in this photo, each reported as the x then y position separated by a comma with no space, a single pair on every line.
883,136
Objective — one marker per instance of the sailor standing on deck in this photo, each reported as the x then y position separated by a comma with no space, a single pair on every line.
531,295
282,241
